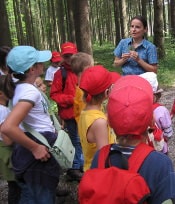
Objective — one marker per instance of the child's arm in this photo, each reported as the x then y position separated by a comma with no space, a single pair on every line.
98,133
6,139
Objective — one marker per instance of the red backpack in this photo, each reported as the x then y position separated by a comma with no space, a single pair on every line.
114,185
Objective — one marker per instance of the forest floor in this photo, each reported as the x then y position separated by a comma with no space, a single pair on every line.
167,99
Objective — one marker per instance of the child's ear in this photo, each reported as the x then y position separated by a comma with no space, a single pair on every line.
1,93
106,93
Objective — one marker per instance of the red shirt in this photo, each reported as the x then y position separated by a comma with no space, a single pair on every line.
65,98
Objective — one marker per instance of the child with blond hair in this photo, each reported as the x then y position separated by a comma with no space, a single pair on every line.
93,126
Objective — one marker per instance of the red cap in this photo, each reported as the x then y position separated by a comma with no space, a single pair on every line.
56,56
130,106
115,76
95,80
68,48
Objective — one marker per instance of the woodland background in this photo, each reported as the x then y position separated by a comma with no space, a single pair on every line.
45,24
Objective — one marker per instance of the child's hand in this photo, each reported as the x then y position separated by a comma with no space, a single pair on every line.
41,152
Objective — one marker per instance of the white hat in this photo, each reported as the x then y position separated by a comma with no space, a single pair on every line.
151,77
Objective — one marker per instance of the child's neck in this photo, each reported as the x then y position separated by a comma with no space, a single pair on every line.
3,102
93,107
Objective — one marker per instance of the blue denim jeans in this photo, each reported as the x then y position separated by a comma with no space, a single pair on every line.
36,194
72,129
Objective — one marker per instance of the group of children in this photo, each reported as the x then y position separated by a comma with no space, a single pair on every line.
79,89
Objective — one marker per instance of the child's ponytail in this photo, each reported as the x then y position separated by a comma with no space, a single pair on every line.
7,86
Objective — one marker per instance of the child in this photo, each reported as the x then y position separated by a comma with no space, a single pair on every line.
161,114
63,92
93,127
6,92
39,83
55,65
130,113
35,168
79,62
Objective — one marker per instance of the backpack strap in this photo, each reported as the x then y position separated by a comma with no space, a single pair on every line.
155,105
138,156
103,154
64,76
135,161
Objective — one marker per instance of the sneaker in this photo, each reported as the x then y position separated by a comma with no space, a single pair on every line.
74,175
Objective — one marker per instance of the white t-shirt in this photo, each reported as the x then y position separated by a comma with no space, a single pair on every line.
50,73
4,111
38,117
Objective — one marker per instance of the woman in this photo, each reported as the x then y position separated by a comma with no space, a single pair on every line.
36,170
136,55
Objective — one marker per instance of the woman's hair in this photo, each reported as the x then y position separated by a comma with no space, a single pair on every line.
142,19
4,50
19,76
80,61
7,86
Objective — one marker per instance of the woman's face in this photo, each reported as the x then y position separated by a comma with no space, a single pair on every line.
137,29
39,68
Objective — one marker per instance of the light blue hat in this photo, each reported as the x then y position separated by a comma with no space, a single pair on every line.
21,58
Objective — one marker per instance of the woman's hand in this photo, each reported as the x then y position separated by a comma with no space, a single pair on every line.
134,55
125,56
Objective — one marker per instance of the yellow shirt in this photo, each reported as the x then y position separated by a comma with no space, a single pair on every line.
85,121
79,104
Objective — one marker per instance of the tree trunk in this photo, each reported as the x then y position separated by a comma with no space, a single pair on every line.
82,26
123,19
61,21
117,22
5,38
172,11
70,21
158,27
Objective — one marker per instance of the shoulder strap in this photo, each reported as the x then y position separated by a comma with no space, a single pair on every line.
64,76
36,134
138,156
103,154
155,105
135,161
52,114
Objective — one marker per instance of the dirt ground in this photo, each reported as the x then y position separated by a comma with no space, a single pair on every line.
167,99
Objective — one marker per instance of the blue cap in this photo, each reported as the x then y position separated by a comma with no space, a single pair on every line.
21,58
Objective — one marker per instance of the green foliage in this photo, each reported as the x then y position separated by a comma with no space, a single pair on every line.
166,71
104,55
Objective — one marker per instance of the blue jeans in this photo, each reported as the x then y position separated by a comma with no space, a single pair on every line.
72,129
36,194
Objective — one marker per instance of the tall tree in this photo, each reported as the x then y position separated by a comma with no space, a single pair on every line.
172,6
5,38
158,27
82,26
123,19
117,21
61,21
70,21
